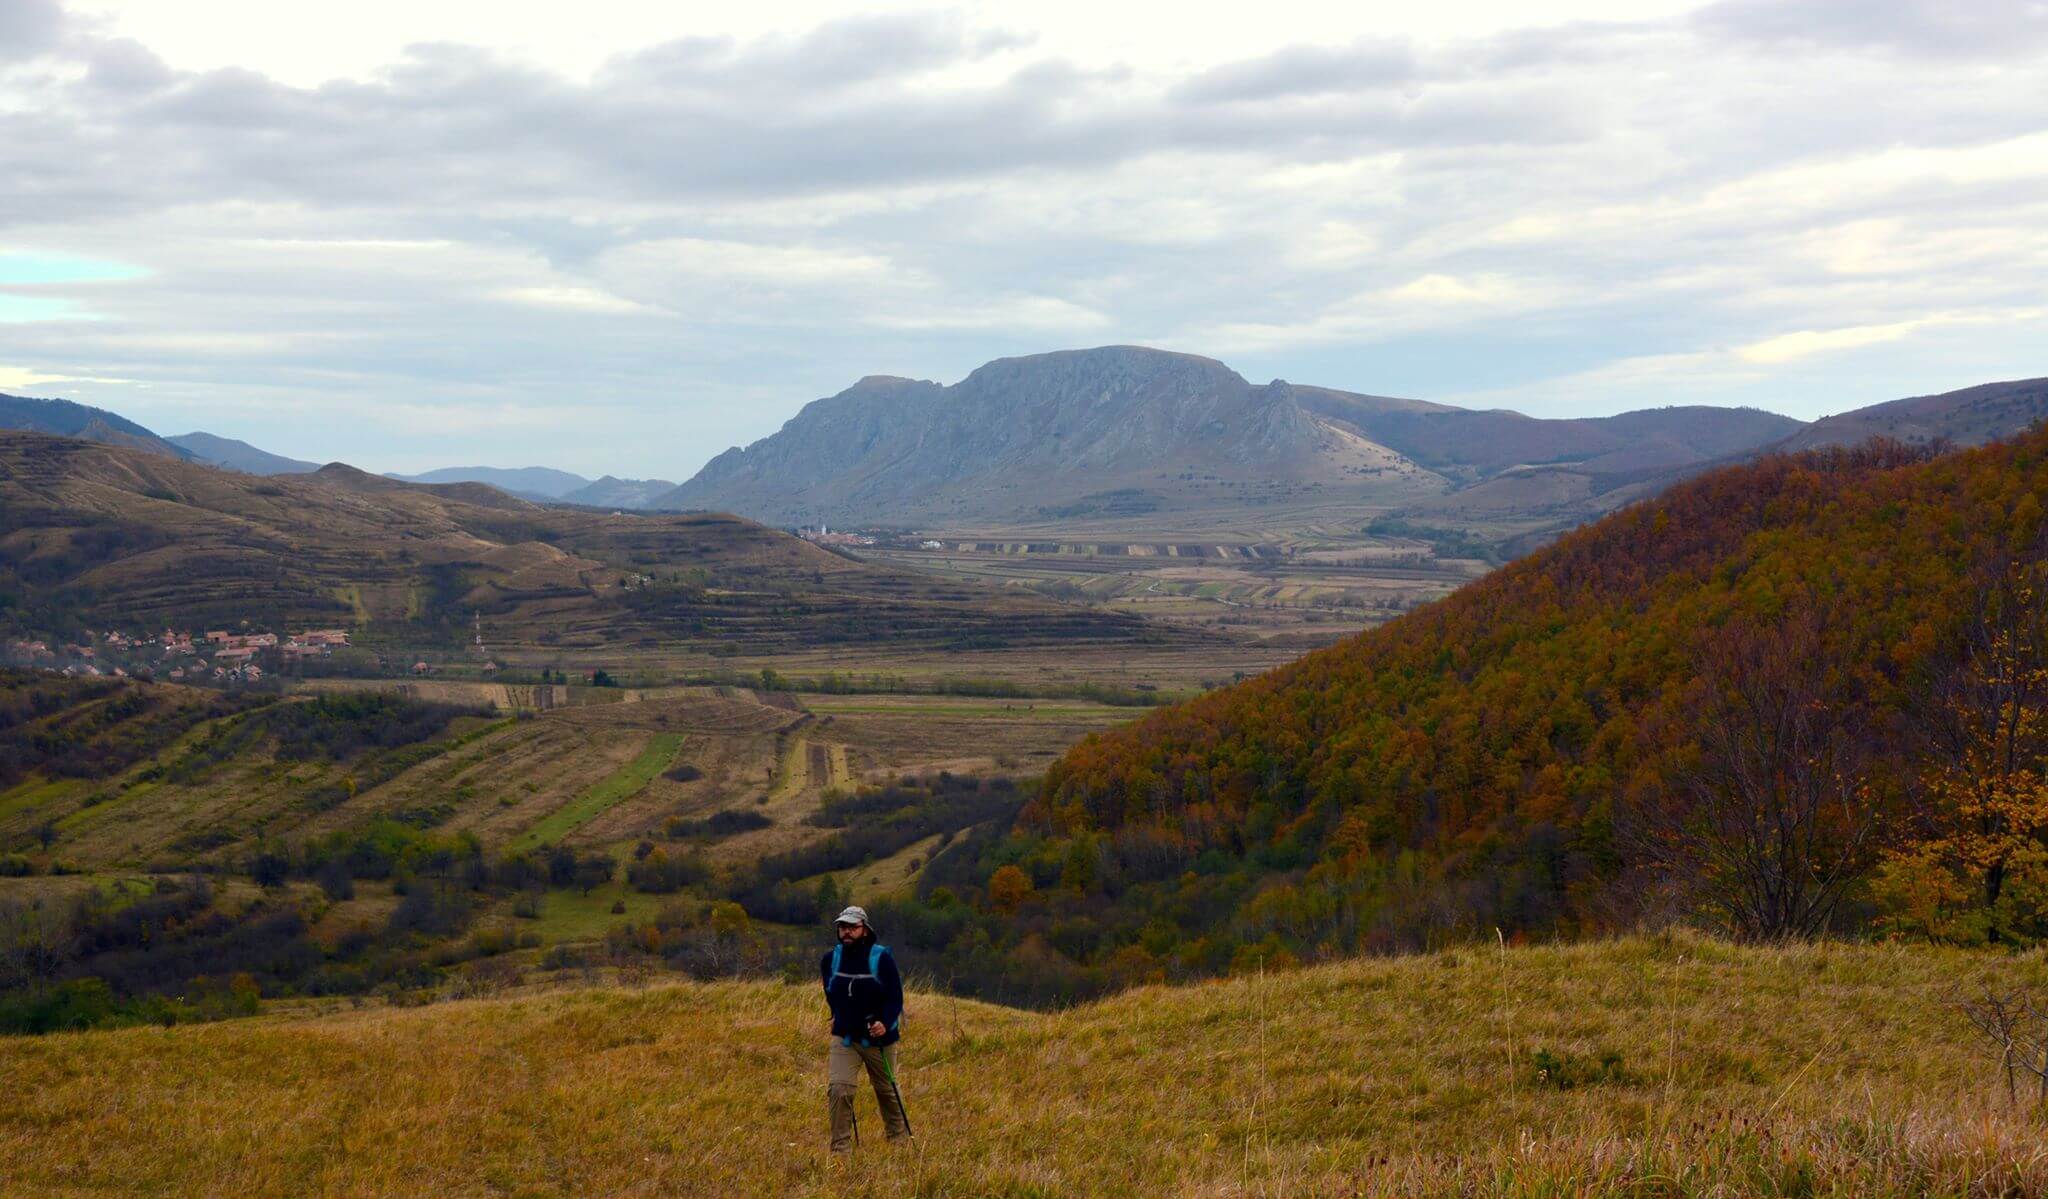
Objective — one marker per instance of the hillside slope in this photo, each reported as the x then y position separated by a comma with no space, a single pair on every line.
1641,1067
1474,764
112,535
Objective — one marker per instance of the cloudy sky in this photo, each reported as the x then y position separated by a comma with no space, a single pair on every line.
618,237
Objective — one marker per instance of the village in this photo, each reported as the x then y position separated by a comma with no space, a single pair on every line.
216,656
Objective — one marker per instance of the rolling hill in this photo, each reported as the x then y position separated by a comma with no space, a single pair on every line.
108,534
614,492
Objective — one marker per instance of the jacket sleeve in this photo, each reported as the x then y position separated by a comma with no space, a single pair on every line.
892,990
825,973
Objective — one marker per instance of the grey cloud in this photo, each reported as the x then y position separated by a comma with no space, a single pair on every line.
29,27
125,66
833,110
1305,71
834,56
1963,29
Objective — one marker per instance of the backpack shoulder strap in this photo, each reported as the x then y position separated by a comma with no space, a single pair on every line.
836,949
875,953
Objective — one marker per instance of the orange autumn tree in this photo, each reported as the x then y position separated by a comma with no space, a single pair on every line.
1979,872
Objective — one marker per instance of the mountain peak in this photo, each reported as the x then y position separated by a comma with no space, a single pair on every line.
1119,360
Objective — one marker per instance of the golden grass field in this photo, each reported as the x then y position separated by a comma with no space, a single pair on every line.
1815,1070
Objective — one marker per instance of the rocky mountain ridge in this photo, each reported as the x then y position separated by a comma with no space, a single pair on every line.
1025,436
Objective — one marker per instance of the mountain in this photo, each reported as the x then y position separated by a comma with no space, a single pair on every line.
112,535
1136,431
1019,436
1971,416
230,454
66,419
530,481
614,492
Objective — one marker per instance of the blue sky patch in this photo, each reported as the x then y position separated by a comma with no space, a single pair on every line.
30,270
19,309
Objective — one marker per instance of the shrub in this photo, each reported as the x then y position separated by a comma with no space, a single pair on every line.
727,823
660,874
1565,1071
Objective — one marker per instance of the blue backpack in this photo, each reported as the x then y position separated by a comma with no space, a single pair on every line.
875,953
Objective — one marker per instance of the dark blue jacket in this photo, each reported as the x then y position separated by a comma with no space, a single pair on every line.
857,995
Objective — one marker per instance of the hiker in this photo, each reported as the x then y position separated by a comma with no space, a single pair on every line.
866,997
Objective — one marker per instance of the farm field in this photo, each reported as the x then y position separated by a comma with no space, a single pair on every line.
601,776
1295,586
1648,1066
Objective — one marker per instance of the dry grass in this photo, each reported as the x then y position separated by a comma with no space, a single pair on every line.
1825,1070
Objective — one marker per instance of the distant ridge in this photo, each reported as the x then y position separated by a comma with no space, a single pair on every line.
614,492
239,455
1972,416
531,482
63,418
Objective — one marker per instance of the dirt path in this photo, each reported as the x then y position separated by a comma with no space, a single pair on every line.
792,779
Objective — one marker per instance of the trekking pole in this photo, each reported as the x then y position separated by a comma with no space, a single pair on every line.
889,1072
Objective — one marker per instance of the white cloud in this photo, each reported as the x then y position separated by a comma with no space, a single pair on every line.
1787,347
570,298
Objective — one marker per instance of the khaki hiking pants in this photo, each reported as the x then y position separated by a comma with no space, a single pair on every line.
842,1076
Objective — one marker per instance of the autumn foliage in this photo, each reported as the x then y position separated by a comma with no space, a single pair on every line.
1534,751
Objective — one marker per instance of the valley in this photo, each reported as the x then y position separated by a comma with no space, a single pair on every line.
621,600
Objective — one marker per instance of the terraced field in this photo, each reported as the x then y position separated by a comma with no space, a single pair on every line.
592,775
622,784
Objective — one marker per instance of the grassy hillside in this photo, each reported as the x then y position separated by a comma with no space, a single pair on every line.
1646,1067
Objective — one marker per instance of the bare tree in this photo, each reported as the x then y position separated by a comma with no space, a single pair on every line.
2016,1024
1774,823
37,938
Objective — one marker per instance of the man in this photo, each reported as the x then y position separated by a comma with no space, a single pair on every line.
866,997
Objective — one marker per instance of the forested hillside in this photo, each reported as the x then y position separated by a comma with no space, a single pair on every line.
1768,699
